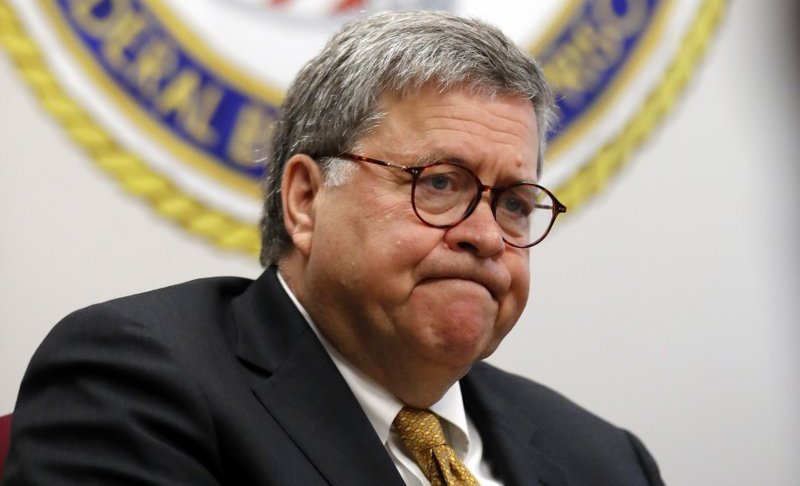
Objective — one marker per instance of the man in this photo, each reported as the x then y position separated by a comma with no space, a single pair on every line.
401,206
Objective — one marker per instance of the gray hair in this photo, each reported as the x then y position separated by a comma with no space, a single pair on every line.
334,100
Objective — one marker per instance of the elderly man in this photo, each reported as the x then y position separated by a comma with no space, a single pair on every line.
401,205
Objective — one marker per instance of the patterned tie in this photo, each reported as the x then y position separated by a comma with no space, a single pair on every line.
423,436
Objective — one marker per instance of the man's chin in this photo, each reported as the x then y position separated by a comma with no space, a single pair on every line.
462,350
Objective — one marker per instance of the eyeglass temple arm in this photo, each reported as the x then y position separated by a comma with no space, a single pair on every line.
559,208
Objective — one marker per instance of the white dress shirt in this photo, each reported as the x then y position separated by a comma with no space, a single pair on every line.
381,407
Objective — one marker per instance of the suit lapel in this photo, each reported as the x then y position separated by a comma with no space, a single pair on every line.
301,388
509,436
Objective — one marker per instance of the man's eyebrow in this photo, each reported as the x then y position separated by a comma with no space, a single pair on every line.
441,156
432,157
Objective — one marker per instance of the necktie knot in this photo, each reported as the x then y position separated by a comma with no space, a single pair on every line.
422,434
421,427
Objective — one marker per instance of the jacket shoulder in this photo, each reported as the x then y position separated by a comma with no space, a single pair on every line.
170,311
124,381
585,445
539,401
192,296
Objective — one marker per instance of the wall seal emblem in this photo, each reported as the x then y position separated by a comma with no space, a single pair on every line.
175,98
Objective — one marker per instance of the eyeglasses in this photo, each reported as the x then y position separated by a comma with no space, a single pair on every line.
443,194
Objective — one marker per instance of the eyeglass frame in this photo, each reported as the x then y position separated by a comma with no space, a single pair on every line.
416,170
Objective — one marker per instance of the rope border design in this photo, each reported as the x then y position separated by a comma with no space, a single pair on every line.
596,174
232,234
126,167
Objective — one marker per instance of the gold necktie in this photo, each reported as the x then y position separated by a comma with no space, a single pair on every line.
422,434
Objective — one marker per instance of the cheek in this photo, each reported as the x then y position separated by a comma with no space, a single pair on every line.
512,306
391,244
390,230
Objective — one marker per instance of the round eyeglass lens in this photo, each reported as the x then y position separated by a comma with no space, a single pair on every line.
524,212
443,194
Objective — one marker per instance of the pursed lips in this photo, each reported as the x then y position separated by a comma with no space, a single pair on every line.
495,286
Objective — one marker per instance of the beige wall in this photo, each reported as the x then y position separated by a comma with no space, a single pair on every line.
669,305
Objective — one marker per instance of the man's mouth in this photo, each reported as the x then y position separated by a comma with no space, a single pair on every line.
465,283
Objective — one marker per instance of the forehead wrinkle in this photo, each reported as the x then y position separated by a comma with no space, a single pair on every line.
462,155
507,141
458,124
473,113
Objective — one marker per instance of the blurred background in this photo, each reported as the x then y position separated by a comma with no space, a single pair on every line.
669,304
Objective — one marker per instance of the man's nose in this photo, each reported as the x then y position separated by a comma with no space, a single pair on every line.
478,234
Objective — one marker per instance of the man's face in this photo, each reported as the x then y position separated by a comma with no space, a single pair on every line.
391,292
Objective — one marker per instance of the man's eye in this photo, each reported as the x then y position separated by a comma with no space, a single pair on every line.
440,182
513,205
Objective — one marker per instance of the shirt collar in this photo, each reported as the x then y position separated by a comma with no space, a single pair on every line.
380,406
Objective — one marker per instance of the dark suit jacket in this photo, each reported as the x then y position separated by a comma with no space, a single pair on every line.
221,381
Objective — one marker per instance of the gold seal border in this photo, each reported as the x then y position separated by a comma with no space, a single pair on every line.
184,151
632,66
233,234
610,158
126,167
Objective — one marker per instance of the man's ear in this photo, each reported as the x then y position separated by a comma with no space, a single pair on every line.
301,183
